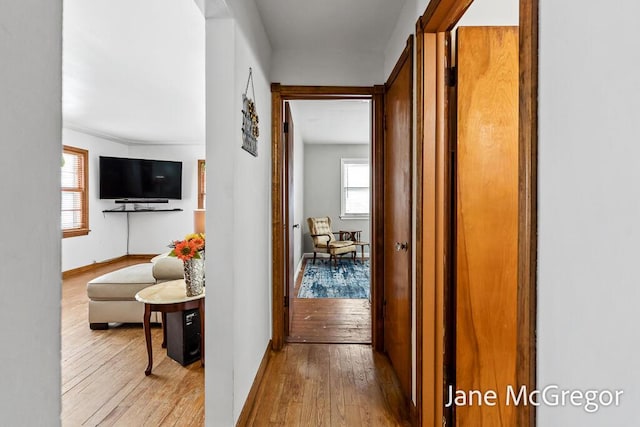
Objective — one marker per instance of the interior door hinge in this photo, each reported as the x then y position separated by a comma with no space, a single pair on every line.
285,127
451,76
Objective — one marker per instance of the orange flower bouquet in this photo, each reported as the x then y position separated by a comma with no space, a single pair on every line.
191,252
190,247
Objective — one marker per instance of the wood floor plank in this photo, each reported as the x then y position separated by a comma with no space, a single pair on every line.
327,385
329,320
338,415
103,381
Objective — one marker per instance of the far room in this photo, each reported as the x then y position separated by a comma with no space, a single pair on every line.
329,199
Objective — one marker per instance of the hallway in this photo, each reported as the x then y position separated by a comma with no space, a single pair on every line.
328,385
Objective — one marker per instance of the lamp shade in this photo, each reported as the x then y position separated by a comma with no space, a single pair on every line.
198,220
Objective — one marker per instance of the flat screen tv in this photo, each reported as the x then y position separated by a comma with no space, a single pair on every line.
124,178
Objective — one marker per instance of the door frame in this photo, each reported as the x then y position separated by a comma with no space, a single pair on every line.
433,264
279,95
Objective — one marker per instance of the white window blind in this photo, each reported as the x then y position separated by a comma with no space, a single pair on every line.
73,183
355,188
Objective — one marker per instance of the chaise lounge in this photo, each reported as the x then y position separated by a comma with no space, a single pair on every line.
112,295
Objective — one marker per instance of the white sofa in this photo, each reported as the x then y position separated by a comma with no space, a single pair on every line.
112,295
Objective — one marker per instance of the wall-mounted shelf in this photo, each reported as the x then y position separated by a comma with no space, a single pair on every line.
141,210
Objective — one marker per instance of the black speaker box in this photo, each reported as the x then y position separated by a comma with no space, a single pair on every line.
183,336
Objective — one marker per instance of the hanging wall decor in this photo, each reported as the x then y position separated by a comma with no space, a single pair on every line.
250,130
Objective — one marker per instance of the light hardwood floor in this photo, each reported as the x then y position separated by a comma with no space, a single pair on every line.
328,385
103,381
329,320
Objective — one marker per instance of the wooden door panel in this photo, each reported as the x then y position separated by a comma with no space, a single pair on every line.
487,219
397,218
289,213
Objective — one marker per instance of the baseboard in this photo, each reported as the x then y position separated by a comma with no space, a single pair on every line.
141,257
243,419
96,265
299,266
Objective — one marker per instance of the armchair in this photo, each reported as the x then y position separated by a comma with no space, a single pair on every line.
324,240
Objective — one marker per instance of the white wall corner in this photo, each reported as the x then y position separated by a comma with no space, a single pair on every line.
249,22
201,6
214,9
220,122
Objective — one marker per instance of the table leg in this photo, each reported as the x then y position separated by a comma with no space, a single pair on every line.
164,330
201,308
147,336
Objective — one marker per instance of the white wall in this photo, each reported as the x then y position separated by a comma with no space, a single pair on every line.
326,67
220,75
491,12
589,205
488,12
239,309
249,23
322,187
151,232
107,238
252,230
405,25
30,154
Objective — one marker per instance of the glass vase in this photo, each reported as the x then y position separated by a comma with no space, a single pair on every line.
194,276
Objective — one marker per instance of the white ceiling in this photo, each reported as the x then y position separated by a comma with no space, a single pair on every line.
332,121
134,70
352,25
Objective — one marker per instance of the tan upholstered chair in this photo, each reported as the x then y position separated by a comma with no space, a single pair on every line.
325,242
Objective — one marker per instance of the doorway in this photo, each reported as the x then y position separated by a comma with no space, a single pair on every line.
327,178
285,231
396,341
281,229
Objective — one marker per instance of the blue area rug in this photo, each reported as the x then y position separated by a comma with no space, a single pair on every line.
347,280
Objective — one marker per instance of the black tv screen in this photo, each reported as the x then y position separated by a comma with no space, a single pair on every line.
123,178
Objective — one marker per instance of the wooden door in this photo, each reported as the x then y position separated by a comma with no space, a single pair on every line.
288,221
397,217
486,219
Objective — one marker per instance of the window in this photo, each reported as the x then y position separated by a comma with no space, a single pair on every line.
355,188
74,185
202,182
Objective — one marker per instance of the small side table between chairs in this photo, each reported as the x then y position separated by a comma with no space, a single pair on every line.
362,245
354,235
